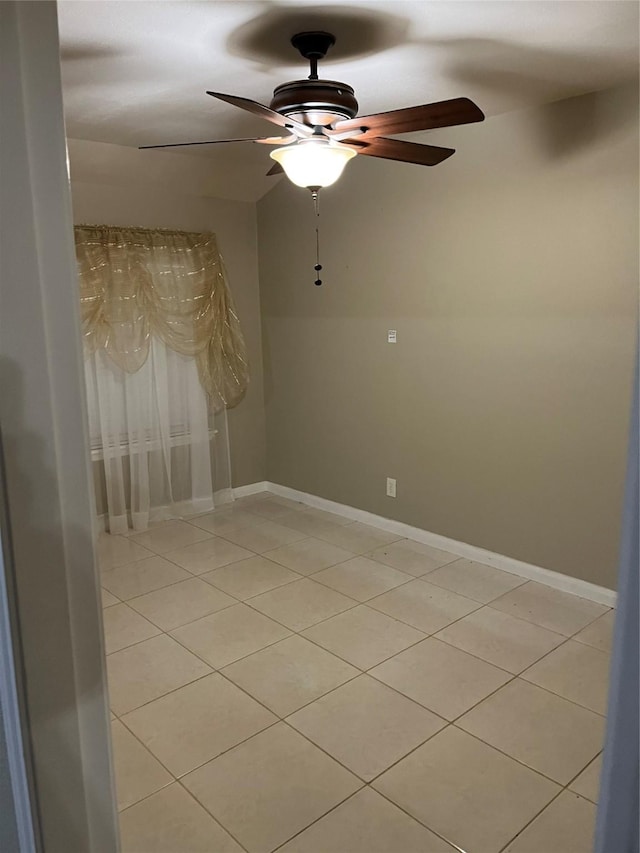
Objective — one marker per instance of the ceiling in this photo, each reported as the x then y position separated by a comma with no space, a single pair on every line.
135,73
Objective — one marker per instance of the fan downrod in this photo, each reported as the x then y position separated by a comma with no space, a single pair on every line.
313,46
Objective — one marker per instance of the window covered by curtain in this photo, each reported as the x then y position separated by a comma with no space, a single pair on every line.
165,358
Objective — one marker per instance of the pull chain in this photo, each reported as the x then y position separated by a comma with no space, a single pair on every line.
316,205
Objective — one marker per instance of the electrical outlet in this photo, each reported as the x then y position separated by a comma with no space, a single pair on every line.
391,487
392,336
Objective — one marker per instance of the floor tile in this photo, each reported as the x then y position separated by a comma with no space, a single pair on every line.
475,580
539,729
576,672
566,825
181,603
108,599
412,557
196,723
466,791
301,603
598,634
230,634
288,503
366,823
137,772
440,677
289,674
309,555
587,784
361,578
327,516
169,536
424,606
172,821
265,537
250,577
358,537
124,627
275,508
312,522
116,551
141,577
500,639
286,784
366,726
549,608
208,555
228,519
363,637
148,670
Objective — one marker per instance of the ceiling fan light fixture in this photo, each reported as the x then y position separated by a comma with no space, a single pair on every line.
313,162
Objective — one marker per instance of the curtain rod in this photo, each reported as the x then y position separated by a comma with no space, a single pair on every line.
142,228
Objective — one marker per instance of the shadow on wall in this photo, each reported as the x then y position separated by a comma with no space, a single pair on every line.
571,123
43,612
583,122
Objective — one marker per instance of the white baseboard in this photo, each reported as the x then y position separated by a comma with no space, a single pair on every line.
584,589
251,489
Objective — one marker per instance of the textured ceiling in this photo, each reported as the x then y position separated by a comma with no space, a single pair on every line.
135,73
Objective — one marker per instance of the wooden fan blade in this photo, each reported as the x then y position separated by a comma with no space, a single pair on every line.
264,140
263,112
425,117
407,152
277,140
276,169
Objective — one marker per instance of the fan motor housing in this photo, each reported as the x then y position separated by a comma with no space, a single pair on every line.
317,102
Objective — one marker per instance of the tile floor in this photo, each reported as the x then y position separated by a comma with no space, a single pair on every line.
284,679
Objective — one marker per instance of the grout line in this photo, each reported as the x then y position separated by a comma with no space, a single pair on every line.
455,720
202,805
357,603
272,850
173,690
535,817
413,817
577,793
231,663
332,809
544,627
338,655
564,698
360,671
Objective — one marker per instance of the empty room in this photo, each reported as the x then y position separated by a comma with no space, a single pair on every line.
319,340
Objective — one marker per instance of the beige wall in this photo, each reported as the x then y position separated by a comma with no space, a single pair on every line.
117,186
510,273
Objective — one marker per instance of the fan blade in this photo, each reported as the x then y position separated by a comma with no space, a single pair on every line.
276,169
407,152
264,140
277,140
263,112
425,117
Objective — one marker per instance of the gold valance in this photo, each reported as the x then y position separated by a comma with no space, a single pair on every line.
136,282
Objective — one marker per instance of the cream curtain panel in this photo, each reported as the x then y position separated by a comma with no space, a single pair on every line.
164,359
137,283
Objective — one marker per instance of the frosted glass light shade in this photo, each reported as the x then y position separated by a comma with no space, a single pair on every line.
313,163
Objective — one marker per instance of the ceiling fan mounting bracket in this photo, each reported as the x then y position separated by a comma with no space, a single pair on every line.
313,45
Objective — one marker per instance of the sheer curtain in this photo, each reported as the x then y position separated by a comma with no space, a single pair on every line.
165,358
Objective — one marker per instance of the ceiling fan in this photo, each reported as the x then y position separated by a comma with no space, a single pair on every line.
324,131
